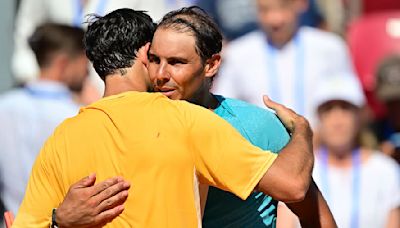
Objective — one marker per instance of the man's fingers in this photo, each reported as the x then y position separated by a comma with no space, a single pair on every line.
286,115
113,201
269,103
107,216
273,105
100,187
111,191
85,182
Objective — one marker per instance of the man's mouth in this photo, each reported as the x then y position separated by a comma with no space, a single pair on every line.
167,91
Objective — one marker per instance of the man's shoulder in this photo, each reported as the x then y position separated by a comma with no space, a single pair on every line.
240,107
12,97
320,38
261,126
384,163
132,108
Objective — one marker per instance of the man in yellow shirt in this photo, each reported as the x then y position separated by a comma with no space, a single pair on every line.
162,147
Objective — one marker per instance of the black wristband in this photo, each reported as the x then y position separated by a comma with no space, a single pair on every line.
53,219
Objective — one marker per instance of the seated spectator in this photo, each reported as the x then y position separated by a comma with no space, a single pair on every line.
361,186
30,114
354,180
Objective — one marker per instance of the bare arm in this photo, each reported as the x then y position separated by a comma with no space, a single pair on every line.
313,211
289,177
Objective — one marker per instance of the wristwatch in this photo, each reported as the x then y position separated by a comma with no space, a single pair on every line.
53,223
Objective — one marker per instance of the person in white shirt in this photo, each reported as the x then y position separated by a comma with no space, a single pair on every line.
361,186
281,59
32,13
30,114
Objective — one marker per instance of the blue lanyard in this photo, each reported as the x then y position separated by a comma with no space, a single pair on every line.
274,89
78,11
356,171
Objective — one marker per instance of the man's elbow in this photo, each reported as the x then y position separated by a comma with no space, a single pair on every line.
297,191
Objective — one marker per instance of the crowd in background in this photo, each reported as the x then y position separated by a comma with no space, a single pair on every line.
335,62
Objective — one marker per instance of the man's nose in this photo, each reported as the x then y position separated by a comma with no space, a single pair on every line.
162,75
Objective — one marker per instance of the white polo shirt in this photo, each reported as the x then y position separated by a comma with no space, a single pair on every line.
379,191
289,75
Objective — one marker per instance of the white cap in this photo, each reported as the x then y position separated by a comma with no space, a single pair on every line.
344,87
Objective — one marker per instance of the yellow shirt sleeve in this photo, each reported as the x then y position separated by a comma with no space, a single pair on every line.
43,192
224,158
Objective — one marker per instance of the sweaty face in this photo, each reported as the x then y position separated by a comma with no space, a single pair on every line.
338,124
278,18
175,69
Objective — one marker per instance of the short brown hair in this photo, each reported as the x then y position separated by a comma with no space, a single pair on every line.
51,38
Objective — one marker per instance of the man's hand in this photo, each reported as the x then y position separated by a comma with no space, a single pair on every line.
289,118
89,205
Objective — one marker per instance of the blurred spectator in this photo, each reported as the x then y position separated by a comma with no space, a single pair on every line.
281,60
388,91
71,12
362,187
29,115
238,17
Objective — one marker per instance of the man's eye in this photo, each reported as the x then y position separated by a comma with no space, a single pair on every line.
153,59
175,61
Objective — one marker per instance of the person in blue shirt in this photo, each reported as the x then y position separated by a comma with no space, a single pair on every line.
183,59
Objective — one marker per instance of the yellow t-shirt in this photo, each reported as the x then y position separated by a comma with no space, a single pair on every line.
157,145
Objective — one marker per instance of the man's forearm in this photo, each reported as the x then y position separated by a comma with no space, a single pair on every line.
313,211
289,177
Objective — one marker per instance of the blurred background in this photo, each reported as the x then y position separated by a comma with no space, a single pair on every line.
337,62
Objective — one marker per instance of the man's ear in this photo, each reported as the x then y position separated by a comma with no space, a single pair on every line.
142,54
212,65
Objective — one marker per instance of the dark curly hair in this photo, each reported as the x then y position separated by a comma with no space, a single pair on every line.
112,41
195,21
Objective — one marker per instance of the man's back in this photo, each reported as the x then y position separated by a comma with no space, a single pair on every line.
147,139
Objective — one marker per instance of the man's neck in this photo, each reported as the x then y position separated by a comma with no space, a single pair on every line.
340,157
280,43
50,74
205,99
117,83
